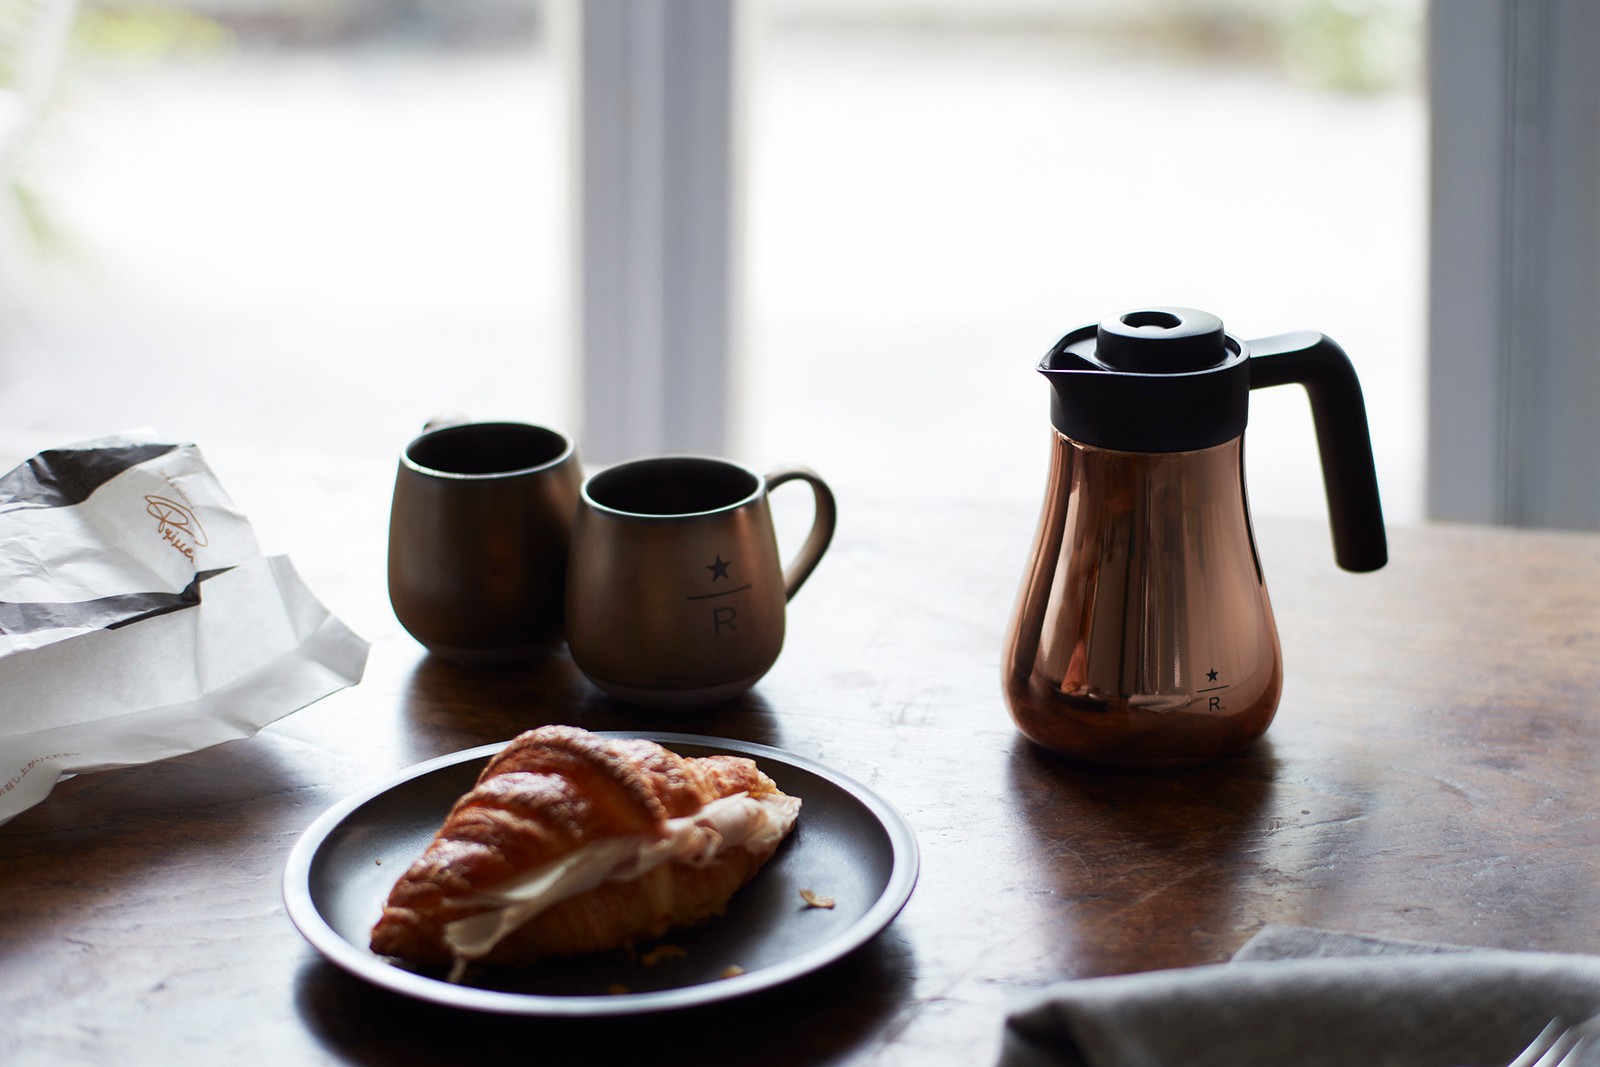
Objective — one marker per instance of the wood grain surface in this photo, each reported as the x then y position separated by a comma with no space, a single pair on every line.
1431,774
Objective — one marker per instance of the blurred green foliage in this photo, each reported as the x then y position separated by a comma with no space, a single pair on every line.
1355,45
148,30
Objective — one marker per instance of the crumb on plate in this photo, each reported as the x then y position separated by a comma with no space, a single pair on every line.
815,900
662,952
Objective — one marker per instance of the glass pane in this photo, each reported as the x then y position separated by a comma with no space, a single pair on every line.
320,222
939,190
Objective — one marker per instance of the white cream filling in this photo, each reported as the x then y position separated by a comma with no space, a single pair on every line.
737,821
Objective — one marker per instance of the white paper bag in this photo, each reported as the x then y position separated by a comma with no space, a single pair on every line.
139,620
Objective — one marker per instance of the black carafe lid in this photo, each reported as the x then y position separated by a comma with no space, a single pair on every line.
1161,379
1170,379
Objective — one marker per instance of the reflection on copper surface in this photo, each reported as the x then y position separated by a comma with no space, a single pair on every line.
1143,633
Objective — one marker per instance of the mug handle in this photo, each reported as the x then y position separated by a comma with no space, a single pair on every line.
795,574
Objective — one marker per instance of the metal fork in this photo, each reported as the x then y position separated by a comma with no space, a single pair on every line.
1557,1045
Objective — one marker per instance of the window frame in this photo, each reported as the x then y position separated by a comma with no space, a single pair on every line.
1514,274
656,207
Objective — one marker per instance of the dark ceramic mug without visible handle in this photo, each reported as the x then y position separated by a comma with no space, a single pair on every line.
478,537
675,590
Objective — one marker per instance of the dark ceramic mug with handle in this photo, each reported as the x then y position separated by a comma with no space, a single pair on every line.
675,590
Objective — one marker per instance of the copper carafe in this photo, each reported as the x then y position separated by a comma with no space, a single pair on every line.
1143,634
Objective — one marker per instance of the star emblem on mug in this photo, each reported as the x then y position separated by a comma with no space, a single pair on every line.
719,569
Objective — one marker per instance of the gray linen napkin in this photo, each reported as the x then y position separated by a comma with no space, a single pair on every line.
1312,998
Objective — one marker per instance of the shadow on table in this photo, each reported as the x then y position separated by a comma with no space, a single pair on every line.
816,1018
451,707
1146,864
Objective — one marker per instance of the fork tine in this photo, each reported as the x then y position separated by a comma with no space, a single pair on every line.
1564,1051
1582,1035
1533,1055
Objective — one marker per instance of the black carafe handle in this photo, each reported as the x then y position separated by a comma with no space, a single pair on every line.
1349,474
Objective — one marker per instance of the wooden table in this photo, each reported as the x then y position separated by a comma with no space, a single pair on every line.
1431,774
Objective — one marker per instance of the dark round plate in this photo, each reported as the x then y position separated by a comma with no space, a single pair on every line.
848,844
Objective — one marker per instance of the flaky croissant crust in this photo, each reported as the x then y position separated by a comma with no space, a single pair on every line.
549,792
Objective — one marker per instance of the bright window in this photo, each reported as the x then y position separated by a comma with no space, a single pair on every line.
338,218
315,223
936,197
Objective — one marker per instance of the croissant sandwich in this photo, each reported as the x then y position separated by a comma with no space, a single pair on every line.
570,843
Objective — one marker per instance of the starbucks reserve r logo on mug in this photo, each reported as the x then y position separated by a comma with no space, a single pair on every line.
675,590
